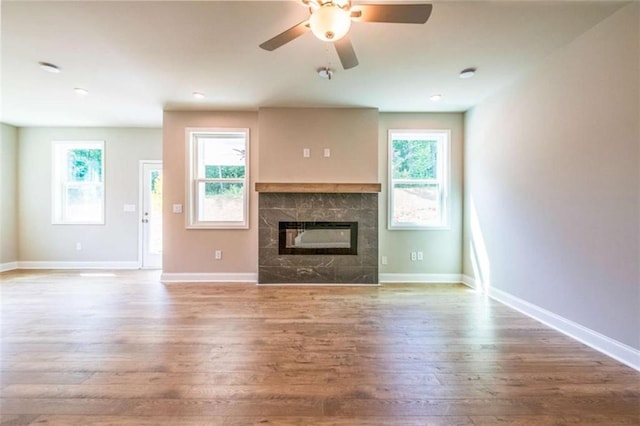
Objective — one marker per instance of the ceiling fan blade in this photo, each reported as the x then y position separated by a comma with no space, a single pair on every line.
286,36
394,13
346,53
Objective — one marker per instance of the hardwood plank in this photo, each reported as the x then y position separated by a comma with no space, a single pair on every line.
60,378
16,420
344,390
523,406
247,420
543,420
125,349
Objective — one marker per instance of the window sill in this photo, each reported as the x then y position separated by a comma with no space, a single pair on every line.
218,226
419,228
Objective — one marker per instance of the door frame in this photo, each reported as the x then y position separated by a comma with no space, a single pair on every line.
141,189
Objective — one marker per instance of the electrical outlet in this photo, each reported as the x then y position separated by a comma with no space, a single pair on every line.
384,260
78,246
177,208
218,254
420,256
414,256
306,153
327,152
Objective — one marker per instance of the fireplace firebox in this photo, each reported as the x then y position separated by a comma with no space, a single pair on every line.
310,238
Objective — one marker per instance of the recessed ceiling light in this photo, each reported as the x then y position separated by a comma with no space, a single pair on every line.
435,98
49,67
198,95
81,91
467,73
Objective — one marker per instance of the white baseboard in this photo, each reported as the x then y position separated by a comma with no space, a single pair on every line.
78,265
9,266
209,277
419,278
469,281
608,346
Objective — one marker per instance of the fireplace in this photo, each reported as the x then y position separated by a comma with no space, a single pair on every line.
339,242
306,238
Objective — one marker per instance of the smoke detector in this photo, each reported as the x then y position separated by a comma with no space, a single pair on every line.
325,73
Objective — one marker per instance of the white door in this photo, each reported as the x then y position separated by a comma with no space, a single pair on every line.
151,214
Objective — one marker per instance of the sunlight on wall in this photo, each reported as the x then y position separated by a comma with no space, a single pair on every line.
478,252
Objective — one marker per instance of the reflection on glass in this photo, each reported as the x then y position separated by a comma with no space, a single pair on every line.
318,238
155,213
416,203
83,202
222,201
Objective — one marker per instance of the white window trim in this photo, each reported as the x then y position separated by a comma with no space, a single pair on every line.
444,160
57,194
192,221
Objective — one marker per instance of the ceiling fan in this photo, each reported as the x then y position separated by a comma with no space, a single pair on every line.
330,20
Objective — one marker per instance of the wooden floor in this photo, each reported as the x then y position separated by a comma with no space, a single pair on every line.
127,350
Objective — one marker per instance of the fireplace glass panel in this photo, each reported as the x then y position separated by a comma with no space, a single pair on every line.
318,238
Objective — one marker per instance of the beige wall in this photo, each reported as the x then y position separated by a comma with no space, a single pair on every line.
552,182
350,134
356,137
192,250
441,248
117,239
8,195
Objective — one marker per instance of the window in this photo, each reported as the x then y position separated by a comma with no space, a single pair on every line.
218,178
78,182
418,179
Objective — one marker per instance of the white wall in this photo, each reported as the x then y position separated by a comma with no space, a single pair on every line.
441,248
8,196
552,185
117,239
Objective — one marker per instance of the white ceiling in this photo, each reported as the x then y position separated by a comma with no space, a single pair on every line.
138,58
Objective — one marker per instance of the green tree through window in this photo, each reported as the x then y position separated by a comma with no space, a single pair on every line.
84,165
415,159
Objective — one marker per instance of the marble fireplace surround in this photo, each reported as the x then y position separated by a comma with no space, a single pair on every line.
329,202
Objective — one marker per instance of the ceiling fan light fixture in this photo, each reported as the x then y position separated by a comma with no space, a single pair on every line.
330,22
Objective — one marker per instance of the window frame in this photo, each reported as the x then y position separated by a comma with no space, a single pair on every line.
443,136
192,181
59,193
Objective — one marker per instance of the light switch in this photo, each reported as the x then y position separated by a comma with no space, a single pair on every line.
327,152
129,208
177,208
306,153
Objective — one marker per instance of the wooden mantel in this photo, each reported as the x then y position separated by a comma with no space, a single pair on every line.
326,188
